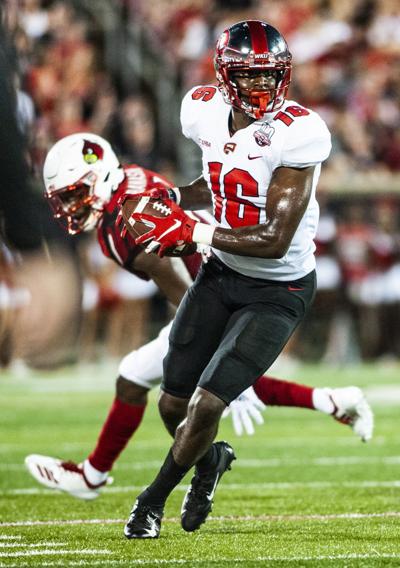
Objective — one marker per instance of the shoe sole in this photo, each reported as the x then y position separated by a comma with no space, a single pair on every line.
137,537
32,466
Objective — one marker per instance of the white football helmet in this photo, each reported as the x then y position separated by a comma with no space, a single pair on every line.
80,173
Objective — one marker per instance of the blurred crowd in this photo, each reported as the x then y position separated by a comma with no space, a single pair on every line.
70,75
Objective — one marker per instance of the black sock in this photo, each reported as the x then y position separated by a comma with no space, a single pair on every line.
167,479
209,460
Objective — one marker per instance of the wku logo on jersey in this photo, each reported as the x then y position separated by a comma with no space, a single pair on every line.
229,147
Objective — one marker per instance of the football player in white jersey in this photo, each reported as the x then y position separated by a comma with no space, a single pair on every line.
262,157
84,183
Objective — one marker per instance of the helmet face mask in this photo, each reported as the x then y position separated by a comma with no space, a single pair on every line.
253,47
80,174
76,206
255,88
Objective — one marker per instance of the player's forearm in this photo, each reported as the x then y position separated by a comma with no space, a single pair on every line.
288,196
196,195
268,240
258,241
263,241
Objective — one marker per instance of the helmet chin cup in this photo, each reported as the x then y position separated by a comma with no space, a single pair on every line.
259,102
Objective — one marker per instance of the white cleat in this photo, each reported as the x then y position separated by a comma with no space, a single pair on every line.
64,476
352,408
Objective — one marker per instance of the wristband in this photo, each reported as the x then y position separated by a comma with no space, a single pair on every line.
203,234
174,194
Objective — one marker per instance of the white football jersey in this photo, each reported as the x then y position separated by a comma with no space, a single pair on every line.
238,170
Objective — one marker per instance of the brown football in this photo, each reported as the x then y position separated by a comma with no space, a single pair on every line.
140,205
154,207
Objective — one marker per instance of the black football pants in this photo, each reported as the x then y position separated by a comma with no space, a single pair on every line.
230,328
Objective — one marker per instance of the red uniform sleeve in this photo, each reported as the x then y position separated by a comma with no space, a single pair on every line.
123,250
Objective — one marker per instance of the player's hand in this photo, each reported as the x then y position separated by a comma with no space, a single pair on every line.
245,411
157,191
175,229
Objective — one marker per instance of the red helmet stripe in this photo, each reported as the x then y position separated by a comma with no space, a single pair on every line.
258,36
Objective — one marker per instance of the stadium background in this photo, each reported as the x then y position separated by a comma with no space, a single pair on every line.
304,491
120,69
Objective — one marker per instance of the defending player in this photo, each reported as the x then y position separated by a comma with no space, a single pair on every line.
84,183
262,157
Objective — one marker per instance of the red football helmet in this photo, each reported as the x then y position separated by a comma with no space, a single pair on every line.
253,45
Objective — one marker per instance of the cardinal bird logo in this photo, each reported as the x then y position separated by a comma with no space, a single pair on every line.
92,152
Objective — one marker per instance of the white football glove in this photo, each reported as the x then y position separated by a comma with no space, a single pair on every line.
245,411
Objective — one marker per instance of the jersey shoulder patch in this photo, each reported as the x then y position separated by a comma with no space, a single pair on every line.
194,103
307,140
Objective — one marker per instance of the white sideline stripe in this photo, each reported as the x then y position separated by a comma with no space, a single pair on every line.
25,545
49,552
253,463
251,518
7,537
226,486
191,561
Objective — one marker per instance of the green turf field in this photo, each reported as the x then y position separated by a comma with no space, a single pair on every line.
304,490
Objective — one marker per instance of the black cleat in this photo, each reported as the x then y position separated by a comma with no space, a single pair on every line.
144,521
198,500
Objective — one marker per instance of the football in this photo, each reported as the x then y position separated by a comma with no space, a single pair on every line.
139,204
157,208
